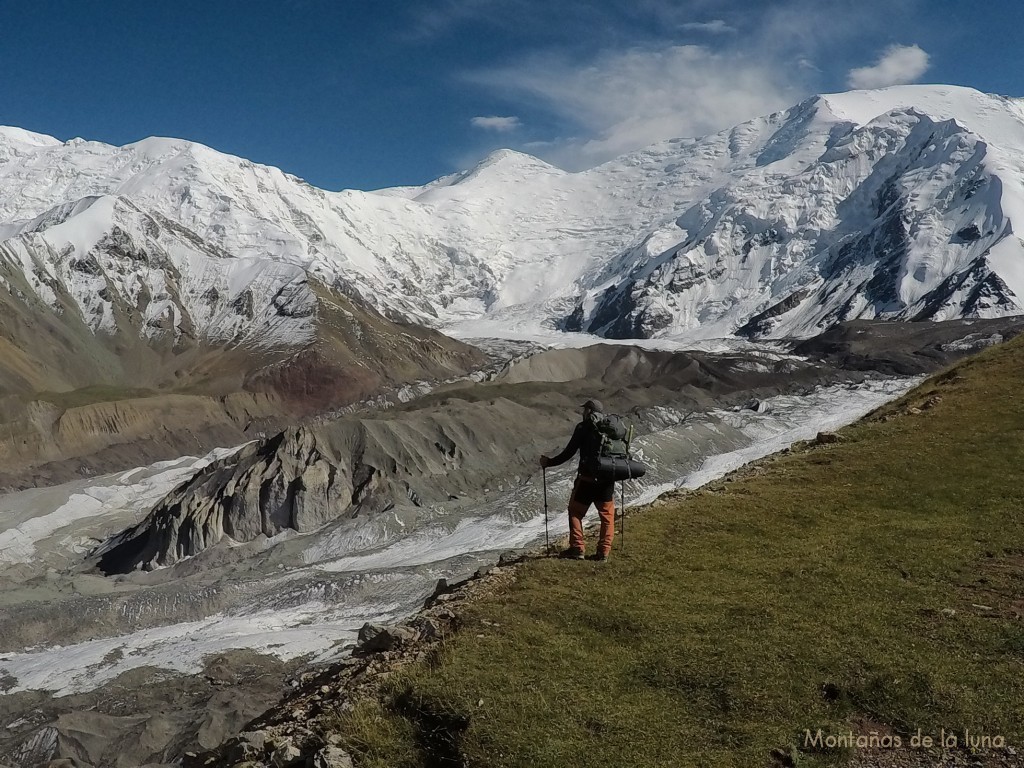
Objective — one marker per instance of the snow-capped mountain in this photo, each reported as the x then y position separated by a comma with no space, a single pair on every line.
895,203
120,325
108,256
890,204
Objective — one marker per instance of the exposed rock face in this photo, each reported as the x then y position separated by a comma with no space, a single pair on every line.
282,484
907,348
305,477
146,717
69,391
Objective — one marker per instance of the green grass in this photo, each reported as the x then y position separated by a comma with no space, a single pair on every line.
76,398
833,587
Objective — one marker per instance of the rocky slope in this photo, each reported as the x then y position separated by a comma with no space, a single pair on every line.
122,327
145,715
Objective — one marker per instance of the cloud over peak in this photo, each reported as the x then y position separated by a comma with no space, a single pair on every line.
898,65
714,27
619,101
496,123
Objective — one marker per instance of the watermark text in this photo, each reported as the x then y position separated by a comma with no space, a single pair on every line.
965,739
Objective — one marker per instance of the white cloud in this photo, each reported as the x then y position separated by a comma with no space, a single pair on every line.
431,20
495,123
623,101
714,27
899,64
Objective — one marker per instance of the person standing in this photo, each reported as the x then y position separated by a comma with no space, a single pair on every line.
587,490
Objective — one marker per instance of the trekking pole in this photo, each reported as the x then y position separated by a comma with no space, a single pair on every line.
547,540
622,492
622,514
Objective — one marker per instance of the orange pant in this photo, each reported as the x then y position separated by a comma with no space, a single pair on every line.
578,510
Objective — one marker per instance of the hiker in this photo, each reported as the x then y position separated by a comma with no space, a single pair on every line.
587,489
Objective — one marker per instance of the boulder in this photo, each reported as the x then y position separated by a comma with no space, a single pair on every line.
332,757
285,755
376,637
426,628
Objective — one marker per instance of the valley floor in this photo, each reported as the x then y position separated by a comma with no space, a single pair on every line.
872,586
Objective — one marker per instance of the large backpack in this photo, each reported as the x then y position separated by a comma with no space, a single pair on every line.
612,461
614,436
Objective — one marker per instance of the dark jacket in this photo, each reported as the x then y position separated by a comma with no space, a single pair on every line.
585,439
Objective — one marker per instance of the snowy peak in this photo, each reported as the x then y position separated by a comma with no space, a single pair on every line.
995,118
508,162
896,203
501,168
853,207
102,292
12,135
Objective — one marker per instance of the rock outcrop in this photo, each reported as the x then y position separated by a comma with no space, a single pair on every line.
281,484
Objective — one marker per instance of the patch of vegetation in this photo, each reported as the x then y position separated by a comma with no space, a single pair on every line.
382,740
76,398
872,583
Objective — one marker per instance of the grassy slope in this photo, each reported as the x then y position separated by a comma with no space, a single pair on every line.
835,586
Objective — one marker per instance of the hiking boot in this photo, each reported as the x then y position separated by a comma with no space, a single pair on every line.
571,554
598,557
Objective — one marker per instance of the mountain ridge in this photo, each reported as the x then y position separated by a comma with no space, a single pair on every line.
126,336
752,219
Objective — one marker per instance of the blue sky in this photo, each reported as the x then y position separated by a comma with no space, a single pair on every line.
372,94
